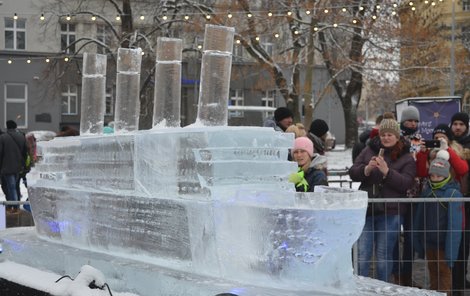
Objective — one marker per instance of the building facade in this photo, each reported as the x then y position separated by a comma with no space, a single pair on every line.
41,59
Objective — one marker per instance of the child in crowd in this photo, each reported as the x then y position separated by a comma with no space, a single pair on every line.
310,164
438,225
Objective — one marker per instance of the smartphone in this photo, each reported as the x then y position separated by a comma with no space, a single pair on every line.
381,152
432,143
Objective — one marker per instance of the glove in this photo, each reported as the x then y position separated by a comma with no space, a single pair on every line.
296,177
444,144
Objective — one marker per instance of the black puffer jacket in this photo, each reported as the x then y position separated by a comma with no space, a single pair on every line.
12,152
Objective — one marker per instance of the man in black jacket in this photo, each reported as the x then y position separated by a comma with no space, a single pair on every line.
12,158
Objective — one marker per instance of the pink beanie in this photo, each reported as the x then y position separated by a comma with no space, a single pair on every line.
303,143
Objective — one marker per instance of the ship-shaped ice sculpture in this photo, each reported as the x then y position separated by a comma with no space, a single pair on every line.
199,210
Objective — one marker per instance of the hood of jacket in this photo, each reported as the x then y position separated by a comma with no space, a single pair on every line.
319,162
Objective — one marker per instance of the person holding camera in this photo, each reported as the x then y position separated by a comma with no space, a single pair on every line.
383,175
442,135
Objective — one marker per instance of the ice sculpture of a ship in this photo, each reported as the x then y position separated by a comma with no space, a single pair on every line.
200,210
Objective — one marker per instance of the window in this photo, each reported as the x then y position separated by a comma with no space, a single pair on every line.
15,33
67,37
466,5
268,47
102,36
236,99
69,100
466,37
268,101
16,103
109,107
237,50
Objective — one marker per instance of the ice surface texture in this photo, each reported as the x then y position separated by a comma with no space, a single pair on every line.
216,67
127,108
93,93
208,201
167,99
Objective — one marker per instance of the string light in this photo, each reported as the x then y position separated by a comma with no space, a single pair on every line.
186,17
394,12
426,2
15,16
307,12
374,17
165,17
315,29
344,9
208,16
335,25
270,14
296,32
361,8
238,41
47,60
229,15
93,18
66,59
42,17
118,17
68,18
28,61
378,6
433,3
354,21
257,38
142,17
289,13
413,8
249,15
325,11
199,46
276,35
411,3
10,61
142,53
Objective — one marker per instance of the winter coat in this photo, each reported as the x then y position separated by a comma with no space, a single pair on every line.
318,144
438,225
13,152
271,122
313,176
395,184
459,166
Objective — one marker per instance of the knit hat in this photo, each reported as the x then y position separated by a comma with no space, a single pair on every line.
319,127
11,124
303,143
410,113
440,165
442,129
462,116
281,113
389,125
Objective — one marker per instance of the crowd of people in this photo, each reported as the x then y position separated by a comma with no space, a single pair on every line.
392,160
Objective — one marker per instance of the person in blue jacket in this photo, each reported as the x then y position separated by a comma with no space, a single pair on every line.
438,225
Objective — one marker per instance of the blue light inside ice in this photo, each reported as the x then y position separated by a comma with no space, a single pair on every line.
15,246
61,226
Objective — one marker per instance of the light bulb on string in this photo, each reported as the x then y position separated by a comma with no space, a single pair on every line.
270,14
344,9
361,7
142,17
47,60
257,38
229,15
413,8
142,53
164,17
315,29
426,2
66,59
42,17
249,15
199,46
186,17
118,17
93,18
289,13
394,12
10,62
208,17
307,12
433,3
28,61
411,3
238,41
378,6
326,11
276,35
374,17
296,32
335,25
354,21
68,18
15,16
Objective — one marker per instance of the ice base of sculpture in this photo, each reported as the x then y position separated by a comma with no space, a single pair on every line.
190,211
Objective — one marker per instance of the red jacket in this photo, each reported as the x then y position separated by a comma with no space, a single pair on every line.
458,165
